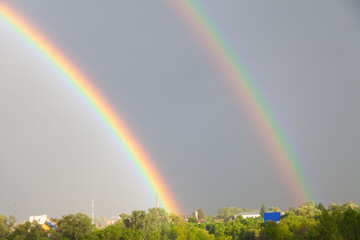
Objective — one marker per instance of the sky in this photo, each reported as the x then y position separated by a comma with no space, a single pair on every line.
57,154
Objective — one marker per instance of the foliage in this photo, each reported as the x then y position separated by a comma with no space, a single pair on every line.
6,226
308,221
100,221
298,224
154,225
350,224
262,210
327,227
274,209
272,230
228,213
321,207
29,231
184,230
237,229
338,207
76,227
115,232
308,210
201,213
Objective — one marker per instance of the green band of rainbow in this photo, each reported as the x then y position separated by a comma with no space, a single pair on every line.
94,98
228,63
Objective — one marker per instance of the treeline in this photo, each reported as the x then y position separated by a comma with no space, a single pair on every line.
308,221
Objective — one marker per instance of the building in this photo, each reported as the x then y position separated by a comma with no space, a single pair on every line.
112,220
272,216
41,219
247,215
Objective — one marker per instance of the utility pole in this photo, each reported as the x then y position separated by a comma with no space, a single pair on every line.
93,211
157,201
14,209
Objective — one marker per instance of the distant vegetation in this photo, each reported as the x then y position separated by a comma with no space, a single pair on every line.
308,221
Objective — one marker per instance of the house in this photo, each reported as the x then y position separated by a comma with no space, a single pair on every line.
247,215
41,219
112,220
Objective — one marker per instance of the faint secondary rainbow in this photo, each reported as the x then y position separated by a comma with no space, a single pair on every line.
94,98
229,65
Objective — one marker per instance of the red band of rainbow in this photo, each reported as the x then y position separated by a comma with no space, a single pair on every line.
98,102
245,90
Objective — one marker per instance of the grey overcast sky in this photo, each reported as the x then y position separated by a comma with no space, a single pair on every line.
57,154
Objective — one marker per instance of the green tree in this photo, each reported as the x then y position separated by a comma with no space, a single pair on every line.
154,225
158,223
351,205
274,209
136,220
112,232
262,210
272,230
291,209
235,229
321,207
327,228
308,210
227,213
116,232
76,227
201,213
29,231
188,231
192,219
334,207
4,227
218,229
100,221
300,226
7,226
350,224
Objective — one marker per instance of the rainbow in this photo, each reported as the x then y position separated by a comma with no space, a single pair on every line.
245,90
83,85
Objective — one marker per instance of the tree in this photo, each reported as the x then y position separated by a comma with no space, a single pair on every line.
76,227
100,221
153,225
334,207
136,220
158,223
351,205
299,225
116,232
272,230
235,229
275,209
227,213
307,209
192,219
29,231
185,231
112,232
327,227
350,224
321,207
4,227
201,213
262,210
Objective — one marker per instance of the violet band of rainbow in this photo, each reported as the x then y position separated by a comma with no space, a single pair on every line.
83,85
226,61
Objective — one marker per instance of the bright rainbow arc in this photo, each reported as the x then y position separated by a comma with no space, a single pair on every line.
94,98
228,63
